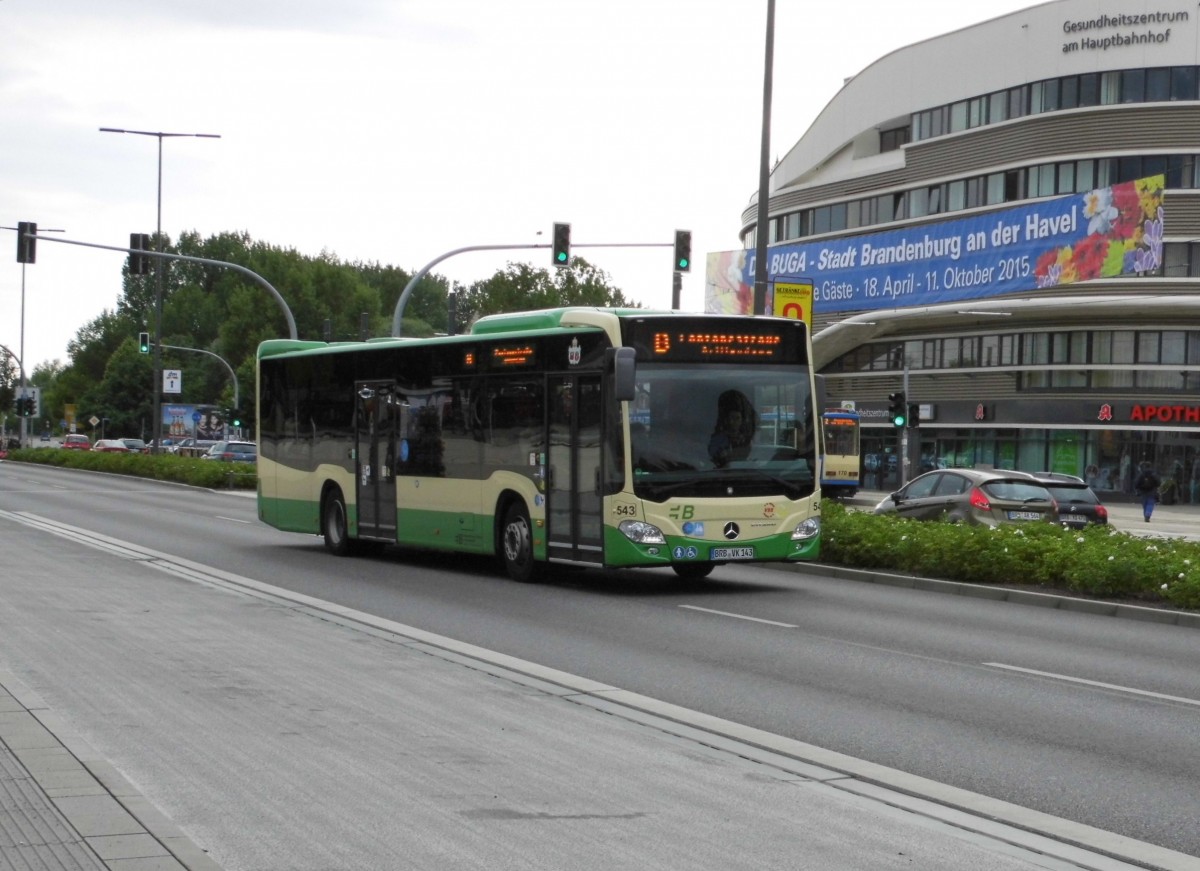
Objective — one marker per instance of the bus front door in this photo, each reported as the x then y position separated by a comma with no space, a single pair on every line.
573,510
378,413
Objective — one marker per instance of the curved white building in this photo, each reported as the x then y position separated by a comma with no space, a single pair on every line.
1006,220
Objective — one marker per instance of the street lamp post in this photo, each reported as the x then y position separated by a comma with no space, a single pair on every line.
159,267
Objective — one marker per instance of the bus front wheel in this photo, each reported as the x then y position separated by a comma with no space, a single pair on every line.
516,544
333,524
693,571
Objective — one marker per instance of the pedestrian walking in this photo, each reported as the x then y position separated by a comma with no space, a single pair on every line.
1146,484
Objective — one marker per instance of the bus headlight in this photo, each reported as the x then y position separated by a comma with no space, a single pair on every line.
641,532
807,529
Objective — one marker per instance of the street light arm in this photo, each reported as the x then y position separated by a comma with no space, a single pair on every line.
237,403
287,312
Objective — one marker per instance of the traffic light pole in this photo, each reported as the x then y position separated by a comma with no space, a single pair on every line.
904,460
398,315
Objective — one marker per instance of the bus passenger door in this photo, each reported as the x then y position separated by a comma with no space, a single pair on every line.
573,509
378,413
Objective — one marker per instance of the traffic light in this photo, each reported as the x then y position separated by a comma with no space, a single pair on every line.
25,406
139,264
683,250
144,343
562,244
233,417
26,248
898,408
914,415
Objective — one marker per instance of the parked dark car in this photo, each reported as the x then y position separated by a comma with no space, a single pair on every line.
1078,504
138,446
233,452
982,497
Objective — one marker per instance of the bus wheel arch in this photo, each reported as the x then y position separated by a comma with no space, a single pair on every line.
514,539
335,523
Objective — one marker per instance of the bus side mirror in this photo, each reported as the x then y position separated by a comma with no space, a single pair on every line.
624,374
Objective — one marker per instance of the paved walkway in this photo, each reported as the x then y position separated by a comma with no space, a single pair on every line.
64,807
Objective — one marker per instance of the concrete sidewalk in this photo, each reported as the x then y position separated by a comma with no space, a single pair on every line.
284,734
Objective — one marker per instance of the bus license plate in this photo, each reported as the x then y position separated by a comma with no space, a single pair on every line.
717,553
1024,515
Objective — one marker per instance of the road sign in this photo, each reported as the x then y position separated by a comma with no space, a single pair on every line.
172,381
94,421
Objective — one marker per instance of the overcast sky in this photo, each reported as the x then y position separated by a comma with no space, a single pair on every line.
393,131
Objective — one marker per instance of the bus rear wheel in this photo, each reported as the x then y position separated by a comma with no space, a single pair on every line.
333,524
516,544
693,571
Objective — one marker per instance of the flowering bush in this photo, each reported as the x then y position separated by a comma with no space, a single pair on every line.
1098,561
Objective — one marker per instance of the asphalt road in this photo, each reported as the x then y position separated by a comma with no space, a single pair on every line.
1086,718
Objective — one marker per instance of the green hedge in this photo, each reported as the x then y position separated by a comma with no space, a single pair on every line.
212,474
1098,561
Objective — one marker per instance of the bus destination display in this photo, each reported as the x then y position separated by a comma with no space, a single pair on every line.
705,339
714,344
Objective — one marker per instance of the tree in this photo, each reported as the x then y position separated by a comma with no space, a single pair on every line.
521,287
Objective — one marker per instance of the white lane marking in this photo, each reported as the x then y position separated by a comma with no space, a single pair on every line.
740,617
1095,683
231,519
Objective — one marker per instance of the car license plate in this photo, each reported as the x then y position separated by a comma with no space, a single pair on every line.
1024,515
731,553
1073,518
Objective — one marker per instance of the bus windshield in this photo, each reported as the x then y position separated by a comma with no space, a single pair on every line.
730,430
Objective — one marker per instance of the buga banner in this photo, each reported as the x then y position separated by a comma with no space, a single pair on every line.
1110,231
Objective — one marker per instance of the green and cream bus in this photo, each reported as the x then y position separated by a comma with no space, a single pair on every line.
578,436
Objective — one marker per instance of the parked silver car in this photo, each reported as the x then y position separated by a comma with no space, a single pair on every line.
982,497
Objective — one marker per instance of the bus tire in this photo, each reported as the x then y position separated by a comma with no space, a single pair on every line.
516,544
693,571
334,525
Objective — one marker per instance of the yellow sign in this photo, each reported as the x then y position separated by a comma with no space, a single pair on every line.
793,300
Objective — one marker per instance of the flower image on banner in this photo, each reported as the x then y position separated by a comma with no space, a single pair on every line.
1124,235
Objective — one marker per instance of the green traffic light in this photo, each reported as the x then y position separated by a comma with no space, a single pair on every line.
562,256
683,263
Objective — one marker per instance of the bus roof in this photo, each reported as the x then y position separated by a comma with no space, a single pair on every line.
519,323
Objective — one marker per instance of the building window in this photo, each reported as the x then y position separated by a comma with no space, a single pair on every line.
793,226
1069,92
1173,351
997,108
1110,89
1018,101
958,117
1133,86
1066,178
994,195
1089,89
1183,83
1158,85
891,140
